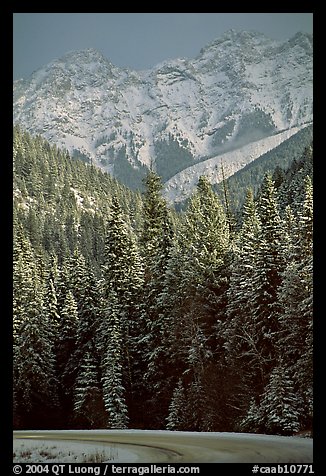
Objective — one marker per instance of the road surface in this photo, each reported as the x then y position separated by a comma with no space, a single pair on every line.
147,446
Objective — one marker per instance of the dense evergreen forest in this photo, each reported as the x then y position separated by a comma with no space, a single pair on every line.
127,314
252,175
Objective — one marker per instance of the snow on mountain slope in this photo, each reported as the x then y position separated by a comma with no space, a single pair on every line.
180,186
240,88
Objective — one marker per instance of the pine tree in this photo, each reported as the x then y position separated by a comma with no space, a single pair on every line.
88,296
34,364
279,407
88,397
122,270
86,356
296,302
156,240
241,331
71,226
155,216
112,369
65,355
199,298
252,421
268,275
51,302
240,292
176,418
306,221
123,279
206,247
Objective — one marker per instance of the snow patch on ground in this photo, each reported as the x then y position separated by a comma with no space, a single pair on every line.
56,451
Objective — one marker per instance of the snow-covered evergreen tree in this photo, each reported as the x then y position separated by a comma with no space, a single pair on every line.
88,403
240,331
114,392
296,302
252,421
88,396
268,274
156,241
199,296
122,284
155,217
67,365
306,221
177,409
123,268
51,302
88,296
279,406
34,362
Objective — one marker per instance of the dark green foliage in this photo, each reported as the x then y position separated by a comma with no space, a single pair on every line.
281,158
89,407
171,156
221,134
34,359
114,391
76,154
122,283
65,202
127,313
255,125
156,244
129,175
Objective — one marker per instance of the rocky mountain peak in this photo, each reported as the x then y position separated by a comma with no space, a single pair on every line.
303,40
242,87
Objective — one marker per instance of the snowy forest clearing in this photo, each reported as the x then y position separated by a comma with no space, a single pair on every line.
142,446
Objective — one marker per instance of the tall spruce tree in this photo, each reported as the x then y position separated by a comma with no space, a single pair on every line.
123,278
279,407
296,302
65,351
200,296
51,303
87,358
34,364
267,276
89,407
156,240
242,335
114,392
177,417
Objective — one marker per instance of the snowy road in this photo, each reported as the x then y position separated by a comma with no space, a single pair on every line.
147,446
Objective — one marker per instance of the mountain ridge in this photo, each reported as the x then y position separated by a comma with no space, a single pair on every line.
240,88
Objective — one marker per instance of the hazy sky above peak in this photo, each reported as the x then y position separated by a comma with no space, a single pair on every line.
136,40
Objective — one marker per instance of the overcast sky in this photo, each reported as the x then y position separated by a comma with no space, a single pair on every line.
136,40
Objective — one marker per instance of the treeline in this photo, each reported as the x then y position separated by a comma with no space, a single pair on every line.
126,314
281,158
61,202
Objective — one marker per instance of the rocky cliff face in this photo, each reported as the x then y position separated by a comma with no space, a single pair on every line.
240,89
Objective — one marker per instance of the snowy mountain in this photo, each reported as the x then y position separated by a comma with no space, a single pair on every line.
244,92
180,186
